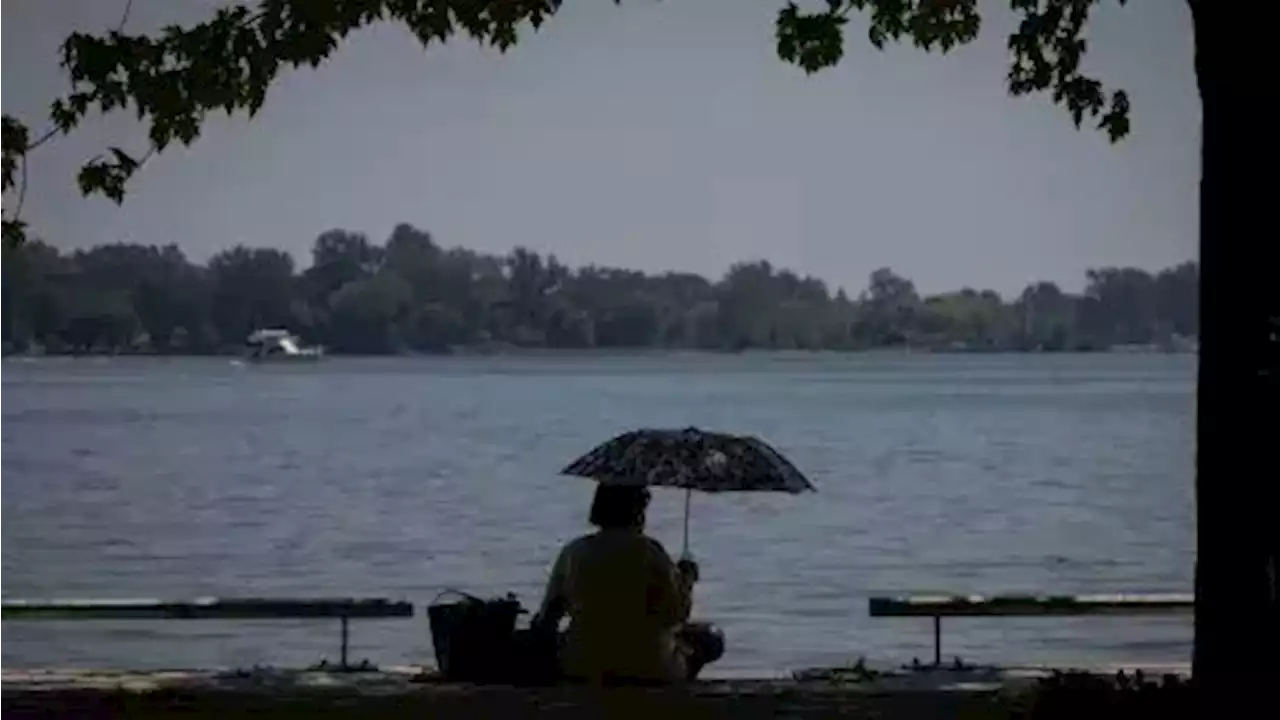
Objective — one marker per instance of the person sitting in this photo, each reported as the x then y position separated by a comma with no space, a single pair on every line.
628,604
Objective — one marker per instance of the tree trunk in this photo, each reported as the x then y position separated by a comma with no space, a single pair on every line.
1236,611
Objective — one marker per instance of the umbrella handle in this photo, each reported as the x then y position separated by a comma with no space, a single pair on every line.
688,500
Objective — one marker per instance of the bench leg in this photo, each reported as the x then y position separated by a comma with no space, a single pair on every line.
345,642
344,653
937,641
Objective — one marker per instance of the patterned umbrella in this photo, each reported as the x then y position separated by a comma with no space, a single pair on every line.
692,459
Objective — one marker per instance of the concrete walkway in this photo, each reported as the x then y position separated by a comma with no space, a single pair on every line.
408,692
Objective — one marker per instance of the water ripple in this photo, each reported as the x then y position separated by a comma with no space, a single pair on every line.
406,477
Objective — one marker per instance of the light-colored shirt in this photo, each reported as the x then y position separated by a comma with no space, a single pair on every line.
625,600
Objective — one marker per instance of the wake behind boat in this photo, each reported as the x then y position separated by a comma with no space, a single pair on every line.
277,345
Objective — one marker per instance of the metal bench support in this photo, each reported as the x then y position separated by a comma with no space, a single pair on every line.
345,640
938,606
937,639
217,609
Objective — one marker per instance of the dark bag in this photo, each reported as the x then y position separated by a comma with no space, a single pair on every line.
535,656
474,638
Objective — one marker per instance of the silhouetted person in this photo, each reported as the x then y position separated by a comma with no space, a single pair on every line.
627,602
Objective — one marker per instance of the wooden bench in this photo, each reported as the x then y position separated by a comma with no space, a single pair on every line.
940,606
344,609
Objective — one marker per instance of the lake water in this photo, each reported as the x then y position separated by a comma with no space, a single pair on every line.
403,477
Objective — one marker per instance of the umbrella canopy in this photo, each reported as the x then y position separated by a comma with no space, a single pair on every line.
692,459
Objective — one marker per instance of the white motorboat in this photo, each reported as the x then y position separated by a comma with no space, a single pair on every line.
272,345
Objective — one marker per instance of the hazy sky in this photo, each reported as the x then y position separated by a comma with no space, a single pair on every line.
657,135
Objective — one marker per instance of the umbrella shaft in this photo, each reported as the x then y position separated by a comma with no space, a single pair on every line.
688,500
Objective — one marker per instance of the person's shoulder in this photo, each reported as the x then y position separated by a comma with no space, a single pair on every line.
580,544
656,547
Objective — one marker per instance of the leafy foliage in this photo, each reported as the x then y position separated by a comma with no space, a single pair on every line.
172,80
411,294
1046,48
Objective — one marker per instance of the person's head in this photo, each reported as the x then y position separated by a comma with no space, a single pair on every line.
619,506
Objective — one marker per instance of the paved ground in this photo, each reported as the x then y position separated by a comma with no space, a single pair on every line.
392,695
407,692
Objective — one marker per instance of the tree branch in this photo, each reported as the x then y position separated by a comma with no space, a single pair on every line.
49,133
40,140
13,226
22,191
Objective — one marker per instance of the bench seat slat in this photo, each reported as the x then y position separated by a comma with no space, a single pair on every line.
206,609
1014,605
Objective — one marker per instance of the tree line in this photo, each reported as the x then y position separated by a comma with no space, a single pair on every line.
410,294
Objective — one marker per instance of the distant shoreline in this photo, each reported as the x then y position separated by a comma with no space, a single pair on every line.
533,352
412,294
